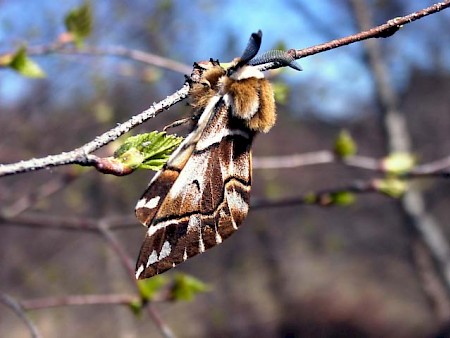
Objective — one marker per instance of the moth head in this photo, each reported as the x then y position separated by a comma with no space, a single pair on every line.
206,75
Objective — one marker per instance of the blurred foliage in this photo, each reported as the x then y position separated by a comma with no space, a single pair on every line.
22,64
281,91
187,287
399,163
345,145
149,287
339,198
79,23
392,186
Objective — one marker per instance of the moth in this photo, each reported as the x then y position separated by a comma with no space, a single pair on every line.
201,195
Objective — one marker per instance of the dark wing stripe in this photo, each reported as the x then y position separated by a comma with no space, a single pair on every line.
207,202
239,188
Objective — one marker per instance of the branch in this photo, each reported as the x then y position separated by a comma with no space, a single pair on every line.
438,168
118,248
19,310
321,198
127,263
82,155
119,51
315,158
43,191
382,31
43,303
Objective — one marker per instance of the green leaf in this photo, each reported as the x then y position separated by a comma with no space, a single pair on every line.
148,151
345,146
149,287
136,307
79,23
281,92
399,163
186,287
391,186
310,198
21,63
342,198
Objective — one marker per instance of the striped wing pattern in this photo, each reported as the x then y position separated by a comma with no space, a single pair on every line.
202,194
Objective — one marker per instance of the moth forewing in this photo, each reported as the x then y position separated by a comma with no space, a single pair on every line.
207,202
201,196
163,181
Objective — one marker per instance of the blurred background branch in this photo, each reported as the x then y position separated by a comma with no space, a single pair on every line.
398,140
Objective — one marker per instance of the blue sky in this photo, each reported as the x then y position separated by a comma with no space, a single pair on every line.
202,29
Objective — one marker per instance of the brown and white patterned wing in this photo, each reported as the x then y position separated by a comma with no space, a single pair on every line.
204,194
162,182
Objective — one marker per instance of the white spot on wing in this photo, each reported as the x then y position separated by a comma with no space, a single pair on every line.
218,238
153,258
153,203
233,223
140,203
201,245
155,227
165,250
194,223
149,204
185,257
235,201
139,271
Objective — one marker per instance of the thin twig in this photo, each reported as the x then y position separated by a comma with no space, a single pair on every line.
82,155
431,283
44,303
43,191
39,220
127,263
438,167
322,198
381,31
315,158
19,310
68,48
117,247
119,51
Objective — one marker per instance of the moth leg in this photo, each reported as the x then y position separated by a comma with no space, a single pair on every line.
180,122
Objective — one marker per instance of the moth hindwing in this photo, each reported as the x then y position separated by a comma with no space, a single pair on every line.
201,196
